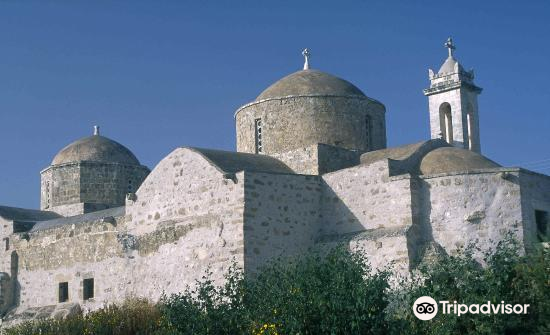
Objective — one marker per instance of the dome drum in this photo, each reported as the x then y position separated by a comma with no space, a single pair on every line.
297,122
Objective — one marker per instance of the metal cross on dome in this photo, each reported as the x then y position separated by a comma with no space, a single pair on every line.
306,55
449,45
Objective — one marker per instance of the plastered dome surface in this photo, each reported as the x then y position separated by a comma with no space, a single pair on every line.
310,83
95,148
452,159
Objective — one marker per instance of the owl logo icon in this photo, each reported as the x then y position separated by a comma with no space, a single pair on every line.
425,308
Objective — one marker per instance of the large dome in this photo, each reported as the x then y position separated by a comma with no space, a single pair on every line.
452,159
95,148
310,83
307,108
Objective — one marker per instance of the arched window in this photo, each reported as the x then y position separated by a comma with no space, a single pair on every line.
470,125
446,122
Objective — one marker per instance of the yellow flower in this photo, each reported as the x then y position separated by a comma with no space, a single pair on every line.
267,329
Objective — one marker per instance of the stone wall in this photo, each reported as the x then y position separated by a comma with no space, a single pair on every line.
71,253
6,265
481,208
319,158
365,197
303,160
282,216
6,292
60,186
6,232
297,122
369,210
187,217
109,183
333,158
65,186
535,195
190,216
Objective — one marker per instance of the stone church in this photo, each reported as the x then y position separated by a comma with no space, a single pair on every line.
311,169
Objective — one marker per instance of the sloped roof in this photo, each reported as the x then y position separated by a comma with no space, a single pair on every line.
24,214
94,216
232,162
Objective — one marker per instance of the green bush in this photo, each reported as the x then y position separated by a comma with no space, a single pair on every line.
335,293
506,277
135,316
316,294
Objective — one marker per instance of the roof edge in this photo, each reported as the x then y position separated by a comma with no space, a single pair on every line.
92,163
241,161
358,97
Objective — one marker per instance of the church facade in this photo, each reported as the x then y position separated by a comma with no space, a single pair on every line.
311,169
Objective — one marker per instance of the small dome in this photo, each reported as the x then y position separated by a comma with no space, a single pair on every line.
95,148
452,159
310,82
449,66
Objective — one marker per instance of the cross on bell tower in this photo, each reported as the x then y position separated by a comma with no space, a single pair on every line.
450,46
452,98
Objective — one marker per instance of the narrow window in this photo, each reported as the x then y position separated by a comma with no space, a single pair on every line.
368,130
130,185
47,194
469,121
470,126
88,288
7,243
446,122
63,292
541,218
258,128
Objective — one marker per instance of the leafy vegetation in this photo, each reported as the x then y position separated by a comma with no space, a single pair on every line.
316,294
335,293
135,316
506,277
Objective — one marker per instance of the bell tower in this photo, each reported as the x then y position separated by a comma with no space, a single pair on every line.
452,99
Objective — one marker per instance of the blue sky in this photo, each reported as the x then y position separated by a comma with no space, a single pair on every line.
160,74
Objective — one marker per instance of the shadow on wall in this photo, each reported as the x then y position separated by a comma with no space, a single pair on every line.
15,281
421,245
342,225
338,222
9,286
530,238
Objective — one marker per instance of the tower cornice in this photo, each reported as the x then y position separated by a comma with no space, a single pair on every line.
451,85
